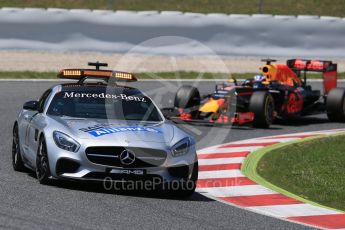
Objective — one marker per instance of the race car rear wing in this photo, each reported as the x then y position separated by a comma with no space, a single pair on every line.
327,68
312,65
107,75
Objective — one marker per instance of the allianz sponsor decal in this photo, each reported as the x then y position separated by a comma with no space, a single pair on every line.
110,130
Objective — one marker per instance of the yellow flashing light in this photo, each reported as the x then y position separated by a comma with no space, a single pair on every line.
123,75
72,72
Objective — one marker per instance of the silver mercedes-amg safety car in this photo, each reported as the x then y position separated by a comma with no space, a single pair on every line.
89,130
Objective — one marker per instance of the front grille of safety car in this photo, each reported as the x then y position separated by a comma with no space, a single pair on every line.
110,156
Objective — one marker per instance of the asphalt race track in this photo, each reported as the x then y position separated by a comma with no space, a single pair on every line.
65,205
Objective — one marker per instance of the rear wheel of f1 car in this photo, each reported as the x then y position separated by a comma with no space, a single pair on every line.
42,164
187,97
335,105
187,188
17,161
262,105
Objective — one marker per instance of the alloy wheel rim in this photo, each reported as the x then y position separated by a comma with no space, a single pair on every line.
15,147
42,164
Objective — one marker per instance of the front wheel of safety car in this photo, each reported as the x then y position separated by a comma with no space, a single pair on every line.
17,161
185,189
42,164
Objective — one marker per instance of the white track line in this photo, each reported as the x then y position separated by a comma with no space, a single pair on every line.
290,134
217,161
263,141
291,210
327,132
229,150
220,174
246,190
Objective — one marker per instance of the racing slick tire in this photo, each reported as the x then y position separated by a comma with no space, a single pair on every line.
42,164
17,161
335,105
262,105
187,97
186,189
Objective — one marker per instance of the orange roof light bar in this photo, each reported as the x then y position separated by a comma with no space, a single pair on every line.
77,74
82,74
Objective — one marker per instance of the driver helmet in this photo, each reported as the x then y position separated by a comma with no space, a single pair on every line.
259,77
248,82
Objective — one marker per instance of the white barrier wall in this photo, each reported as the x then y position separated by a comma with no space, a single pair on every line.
120,31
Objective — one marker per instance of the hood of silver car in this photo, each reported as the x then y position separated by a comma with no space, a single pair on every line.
113,130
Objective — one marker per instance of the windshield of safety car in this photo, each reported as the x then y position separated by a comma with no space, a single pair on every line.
104,103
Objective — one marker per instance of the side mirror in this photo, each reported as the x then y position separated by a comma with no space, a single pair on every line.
31,105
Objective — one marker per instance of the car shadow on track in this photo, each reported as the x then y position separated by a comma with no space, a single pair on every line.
302,121
235,127
97,187
299,121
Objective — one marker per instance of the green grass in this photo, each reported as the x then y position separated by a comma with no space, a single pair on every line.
313,170
286,7
146,75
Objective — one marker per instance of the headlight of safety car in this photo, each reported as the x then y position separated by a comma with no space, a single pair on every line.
65,142
182,147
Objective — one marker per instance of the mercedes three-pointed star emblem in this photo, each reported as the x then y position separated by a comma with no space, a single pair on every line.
127,157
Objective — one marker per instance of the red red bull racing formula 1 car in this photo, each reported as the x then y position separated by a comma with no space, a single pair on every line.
280,91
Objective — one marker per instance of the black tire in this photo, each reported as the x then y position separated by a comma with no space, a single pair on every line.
42,163
17,160
262,105
187,189
335,105
187,97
